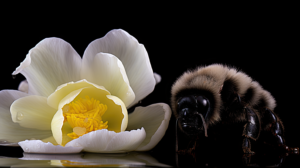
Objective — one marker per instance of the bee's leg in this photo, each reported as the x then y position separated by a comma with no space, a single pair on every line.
188,150
263,160
195,139
246,145
274,128
251,130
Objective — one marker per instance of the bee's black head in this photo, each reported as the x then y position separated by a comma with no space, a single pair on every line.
192,112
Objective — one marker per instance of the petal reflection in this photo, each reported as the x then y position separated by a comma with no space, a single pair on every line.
132,159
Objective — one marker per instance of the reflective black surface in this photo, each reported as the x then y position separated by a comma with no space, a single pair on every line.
154,158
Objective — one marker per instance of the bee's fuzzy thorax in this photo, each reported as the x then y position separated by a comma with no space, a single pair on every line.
218,77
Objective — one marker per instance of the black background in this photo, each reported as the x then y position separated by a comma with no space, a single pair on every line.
262,41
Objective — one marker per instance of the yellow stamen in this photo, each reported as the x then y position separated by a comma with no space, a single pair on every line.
79,130
84,116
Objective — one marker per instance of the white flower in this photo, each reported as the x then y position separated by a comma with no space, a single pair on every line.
82,103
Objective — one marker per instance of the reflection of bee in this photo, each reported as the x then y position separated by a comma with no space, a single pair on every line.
216,96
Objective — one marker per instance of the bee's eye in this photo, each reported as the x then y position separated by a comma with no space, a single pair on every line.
202,104
187,102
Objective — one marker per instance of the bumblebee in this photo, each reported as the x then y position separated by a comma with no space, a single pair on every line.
210,98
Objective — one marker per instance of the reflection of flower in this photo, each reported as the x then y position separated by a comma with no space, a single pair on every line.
77,102
132,159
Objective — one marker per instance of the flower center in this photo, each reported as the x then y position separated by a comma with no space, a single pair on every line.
84,116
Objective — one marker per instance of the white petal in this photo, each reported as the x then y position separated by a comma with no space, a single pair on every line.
104,141
58,119
157,78
63,90
108,71
38,146
10,131
49,64
133,56
23,86
155,119
50,139
32,112
57,128
119,102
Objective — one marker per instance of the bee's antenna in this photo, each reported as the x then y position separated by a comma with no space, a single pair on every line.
176,148
176,134
204,124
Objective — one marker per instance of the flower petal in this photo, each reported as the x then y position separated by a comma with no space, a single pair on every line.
133,56
107,70
38,146
32,112
157,78
59,129
51,140
23,86
155,119
104,141
10,131
63,90
50,63
114,113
